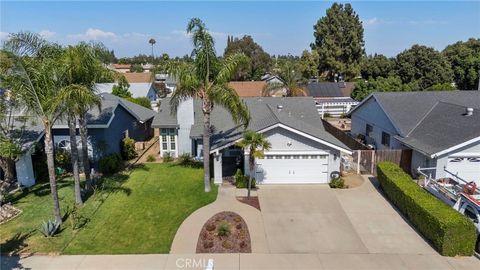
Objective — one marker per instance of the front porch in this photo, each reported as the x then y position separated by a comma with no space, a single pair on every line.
226,162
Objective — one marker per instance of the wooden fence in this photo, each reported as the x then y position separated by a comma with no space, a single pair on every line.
343,137
365,161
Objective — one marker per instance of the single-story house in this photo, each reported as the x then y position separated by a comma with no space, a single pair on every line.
332,98
442,128
122,68
253,89
302,150
117,119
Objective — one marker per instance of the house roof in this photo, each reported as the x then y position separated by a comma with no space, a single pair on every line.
248,88
137,89
133,77
444,127
329,89
27,131
298,113
164,118
109,104
121,66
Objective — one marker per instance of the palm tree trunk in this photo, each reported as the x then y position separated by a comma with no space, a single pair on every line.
51,173
82,123
74,150
206,145
252,172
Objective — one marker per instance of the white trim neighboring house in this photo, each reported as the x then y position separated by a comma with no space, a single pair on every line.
442,129
332,98
302,152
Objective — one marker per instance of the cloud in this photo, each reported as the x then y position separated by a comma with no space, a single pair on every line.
93,34
427,22
3,35
47,34
372,21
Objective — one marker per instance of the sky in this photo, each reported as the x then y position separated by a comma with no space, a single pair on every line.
280,27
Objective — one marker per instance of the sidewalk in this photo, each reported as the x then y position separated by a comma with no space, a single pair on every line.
186,238
242,262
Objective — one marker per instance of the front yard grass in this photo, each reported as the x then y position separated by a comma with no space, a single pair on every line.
138,212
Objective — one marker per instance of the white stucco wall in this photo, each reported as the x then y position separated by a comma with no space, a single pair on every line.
185,118
371,113
469,150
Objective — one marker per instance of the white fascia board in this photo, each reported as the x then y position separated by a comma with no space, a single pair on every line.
453,148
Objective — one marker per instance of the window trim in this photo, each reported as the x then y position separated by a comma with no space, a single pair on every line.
386,139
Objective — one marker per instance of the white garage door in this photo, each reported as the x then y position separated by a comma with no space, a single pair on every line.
292,169
467,168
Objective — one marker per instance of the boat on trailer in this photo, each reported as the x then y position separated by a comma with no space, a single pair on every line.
461,195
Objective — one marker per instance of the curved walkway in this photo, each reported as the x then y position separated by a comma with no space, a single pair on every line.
186,238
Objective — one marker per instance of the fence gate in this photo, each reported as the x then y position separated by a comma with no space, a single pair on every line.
365,161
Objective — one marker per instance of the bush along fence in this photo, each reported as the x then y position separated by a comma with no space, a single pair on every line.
450,232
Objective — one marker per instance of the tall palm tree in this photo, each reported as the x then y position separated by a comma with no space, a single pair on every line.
292,83
38,78
83,70
152,42
207,80
256,145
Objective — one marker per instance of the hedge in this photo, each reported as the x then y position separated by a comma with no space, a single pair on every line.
450,232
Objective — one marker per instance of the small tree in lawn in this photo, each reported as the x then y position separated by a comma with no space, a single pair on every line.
256,145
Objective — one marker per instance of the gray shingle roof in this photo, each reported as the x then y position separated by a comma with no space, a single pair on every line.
164,118
299,113
109,104
407,109
445,126
325,89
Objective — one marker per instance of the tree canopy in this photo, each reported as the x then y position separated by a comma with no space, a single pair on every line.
464,58
258,60
121,89
390,84
376,66
339,42
308,64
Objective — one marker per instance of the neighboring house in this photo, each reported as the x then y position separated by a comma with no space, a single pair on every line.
270,78
122,68
332,98
442,129
145,85
248,88
302,151
117,119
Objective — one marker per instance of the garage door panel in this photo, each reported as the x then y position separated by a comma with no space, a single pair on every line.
467,168
299,170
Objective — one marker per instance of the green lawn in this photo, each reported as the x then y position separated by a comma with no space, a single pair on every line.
136,213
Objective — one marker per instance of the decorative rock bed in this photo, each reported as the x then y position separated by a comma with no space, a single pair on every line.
215,238
8,212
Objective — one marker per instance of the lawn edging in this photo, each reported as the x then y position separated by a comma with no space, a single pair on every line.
451,233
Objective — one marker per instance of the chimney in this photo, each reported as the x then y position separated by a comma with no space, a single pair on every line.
468,111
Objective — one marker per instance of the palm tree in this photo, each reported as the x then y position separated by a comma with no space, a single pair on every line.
292,83
207,80
83,70
37,77
256,145
152,42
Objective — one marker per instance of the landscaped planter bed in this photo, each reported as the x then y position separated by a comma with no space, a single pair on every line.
236,240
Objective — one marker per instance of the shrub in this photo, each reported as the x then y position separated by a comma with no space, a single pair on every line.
223,229
167,157
151,158
327,115
110,164
49,228
337,183
241,181
450,232
63,159
127,148
77,220
185,160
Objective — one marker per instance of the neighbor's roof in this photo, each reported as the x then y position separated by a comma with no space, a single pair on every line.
298,113
137,89
121,66
109,104
248,88
134,77
445,126
329,89
164,117
28,131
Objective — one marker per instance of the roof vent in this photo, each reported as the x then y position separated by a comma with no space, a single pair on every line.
279,107
468,111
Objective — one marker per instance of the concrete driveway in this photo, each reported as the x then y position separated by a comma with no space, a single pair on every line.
306,219
317,219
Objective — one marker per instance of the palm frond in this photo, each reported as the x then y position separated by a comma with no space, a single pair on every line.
25,43
228,98
230,66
